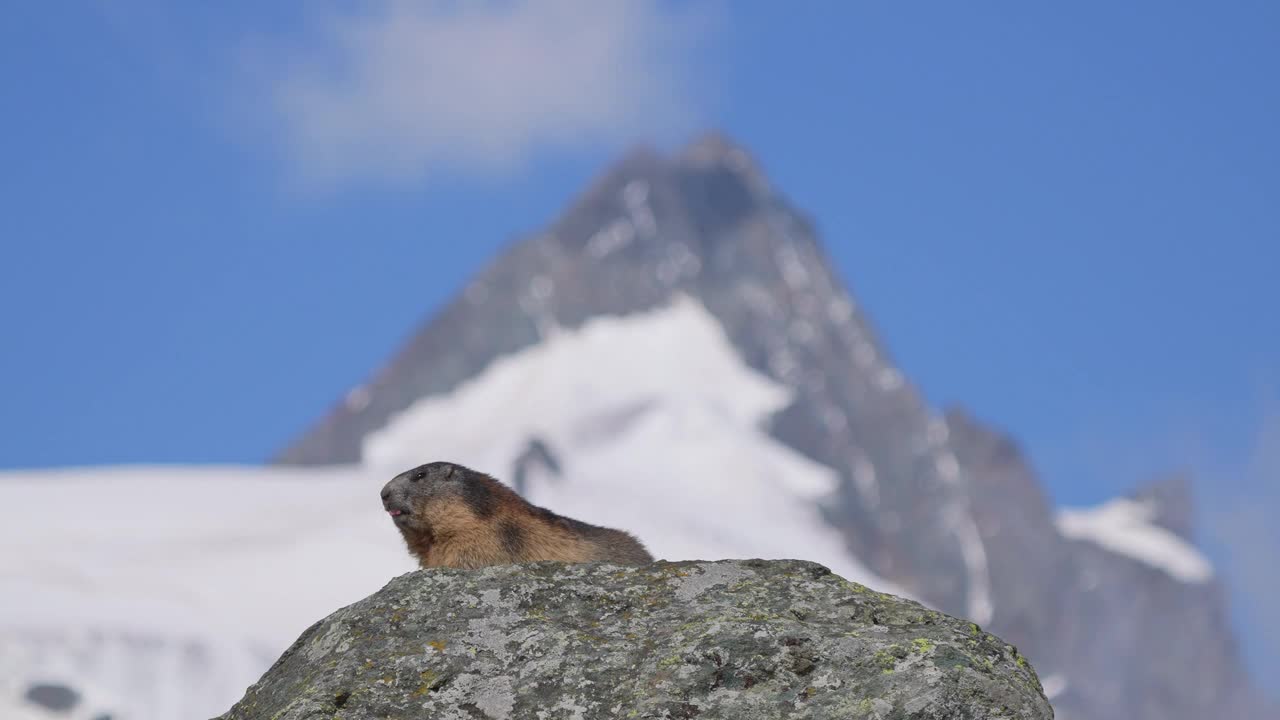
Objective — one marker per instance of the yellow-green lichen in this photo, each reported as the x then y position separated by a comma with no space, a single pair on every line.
428,681
669,661
886,661
855,587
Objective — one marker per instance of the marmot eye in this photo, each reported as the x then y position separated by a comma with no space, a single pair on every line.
417,476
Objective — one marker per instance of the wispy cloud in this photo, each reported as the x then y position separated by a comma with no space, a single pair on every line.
1243,523
405,90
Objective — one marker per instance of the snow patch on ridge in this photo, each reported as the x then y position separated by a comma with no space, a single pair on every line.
1125,527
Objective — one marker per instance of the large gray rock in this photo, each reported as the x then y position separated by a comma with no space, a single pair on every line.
732,639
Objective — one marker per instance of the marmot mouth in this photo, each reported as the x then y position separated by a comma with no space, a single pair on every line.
395,513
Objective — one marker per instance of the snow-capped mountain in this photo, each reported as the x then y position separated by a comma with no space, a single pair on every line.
673,356
169,590
936,503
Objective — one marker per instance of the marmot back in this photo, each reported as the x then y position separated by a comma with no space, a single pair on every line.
453,516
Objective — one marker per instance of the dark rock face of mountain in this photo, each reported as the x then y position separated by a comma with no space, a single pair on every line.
1135,638
940,505
749,639
1028,560
1124,639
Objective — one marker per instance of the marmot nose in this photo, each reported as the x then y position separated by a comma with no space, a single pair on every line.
386,494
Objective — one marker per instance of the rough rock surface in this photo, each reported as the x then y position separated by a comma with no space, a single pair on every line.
734,639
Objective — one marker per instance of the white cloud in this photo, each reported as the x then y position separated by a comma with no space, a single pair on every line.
411,89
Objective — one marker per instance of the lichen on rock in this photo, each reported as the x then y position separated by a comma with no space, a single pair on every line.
732,639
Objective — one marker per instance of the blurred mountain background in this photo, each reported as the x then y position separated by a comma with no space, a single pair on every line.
1005,352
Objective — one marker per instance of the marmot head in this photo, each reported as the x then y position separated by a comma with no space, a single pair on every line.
422,498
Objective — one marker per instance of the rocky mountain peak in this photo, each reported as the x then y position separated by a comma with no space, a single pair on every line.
692,201
715,150
1171,503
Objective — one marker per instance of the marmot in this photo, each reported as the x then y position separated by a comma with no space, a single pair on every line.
453,516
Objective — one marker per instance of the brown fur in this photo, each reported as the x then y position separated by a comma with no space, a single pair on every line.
452,516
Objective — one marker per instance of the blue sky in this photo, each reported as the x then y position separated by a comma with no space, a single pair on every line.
1063,216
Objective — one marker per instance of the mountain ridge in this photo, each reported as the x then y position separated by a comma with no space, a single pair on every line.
935,502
